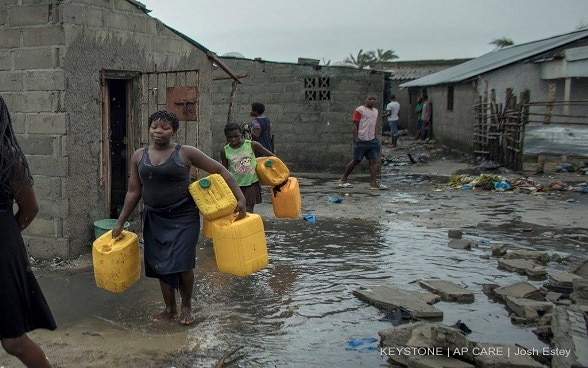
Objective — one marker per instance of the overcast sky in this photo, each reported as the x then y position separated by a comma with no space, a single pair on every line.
284,30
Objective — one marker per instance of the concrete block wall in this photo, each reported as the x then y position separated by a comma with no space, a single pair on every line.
52,54
312,136
454,128
32,83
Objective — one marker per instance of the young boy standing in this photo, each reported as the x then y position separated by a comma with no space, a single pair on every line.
238,157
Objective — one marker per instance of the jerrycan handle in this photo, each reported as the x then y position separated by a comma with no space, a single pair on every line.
108,247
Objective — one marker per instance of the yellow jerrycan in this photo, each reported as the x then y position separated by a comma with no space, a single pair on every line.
213,197
271,171
117,263
286,199
239,246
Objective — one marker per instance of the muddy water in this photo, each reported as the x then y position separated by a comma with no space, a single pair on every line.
300,311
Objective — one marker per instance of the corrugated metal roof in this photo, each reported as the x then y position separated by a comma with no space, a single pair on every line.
496,59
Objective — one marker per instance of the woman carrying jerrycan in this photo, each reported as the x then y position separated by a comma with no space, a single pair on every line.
160,174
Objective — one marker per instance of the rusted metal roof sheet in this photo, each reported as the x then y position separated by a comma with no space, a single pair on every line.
496,59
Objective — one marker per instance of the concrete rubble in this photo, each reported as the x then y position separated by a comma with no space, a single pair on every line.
429,344
523,267
448,291
460,244
388,297
558,310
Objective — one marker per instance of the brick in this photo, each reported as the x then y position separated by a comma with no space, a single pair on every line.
46,123
19,16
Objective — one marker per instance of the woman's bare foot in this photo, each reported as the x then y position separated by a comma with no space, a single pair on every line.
164,316
186,317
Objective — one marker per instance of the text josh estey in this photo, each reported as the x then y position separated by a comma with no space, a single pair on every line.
545,351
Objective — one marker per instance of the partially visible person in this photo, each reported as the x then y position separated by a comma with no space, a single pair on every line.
426,118
365,142
393,114
160,175
266,135
239,158
255,134
419,111
23,307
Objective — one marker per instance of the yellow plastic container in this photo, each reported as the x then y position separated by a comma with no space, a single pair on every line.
207,225
213,197
207,228
117,263
286,199
271,171
239,246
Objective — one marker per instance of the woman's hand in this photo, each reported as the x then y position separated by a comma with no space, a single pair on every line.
117,231
241,210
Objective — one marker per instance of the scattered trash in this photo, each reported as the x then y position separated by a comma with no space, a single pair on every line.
501,186
466,186
462,327
363,345
335,199
310,218
397,315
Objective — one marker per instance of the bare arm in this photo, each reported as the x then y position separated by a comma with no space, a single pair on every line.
25,198
133,194
355,131
200,160
259,148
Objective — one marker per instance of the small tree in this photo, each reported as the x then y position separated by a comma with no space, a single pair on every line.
503,42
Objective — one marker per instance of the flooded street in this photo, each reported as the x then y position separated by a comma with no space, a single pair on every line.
300,311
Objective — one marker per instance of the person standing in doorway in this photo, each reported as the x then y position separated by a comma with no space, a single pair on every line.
426,118
160,174
266,135
23,307
393,114
419,111
365,142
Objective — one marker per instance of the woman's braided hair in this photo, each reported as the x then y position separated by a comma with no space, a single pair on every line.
14,168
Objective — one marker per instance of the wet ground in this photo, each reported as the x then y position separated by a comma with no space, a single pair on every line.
300,310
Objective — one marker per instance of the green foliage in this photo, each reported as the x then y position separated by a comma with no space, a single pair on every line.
371,58
503,42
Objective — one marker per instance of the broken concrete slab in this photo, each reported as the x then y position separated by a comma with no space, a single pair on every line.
530,255
530,310
562,279
499,250
454,234
460,244
448,291
570,336
521,289
580,269
504,356
523,267
388,297
432,338
580,293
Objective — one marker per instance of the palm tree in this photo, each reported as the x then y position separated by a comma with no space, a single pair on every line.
503,42
383,57
362,59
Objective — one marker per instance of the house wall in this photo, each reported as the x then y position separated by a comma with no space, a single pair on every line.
51,57
309,135
550,139
454,127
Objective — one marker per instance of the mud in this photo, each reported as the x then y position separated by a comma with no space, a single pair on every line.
300,311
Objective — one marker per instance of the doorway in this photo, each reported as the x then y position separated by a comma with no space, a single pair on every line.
117,92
